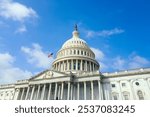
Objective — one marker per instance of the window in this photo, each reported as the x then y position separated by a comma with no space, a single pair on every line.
74,51
137,83
123,84
83,63
113,85
140,95
69,65
87,54
78,52
126,96
74,65
79,65
115,97
81,52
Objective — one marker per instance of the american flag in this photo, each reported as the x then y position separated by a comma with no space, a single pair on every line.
50,55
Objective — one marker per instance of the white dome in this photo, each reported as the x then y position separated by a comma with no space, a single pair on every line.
75,41
75,56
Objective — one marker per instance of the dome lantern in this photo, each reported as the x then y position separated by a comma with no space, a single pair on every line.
75,33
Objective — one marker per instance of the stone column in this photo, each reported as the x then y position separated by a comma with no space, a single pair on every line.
62,90
86,66
37,96
63,68
27,93
121,96
67,65
102,95
43,92
71,92
72,64
22,94
58,92
33,87
78,91
76,64
107,91
49,91
81,65
55,95
4,95
16,94
90,66
146,80
92,94
84,90
99,89
59,68
68,95
132,90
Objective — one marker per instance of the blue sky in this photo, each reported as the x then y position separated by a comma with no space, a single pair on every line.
117,31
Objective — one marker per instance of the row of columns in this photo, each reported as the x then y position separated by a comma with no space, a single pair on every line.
75,64
62,91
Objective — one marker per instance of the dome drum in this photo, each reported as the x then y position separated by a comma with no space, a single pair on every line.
77,65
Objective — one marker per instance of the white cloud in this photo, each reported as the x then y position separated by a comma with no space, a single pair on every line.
103,33
8,72
138,61
21,29
131,62
107,63
36,56
15,11
118,63
99,55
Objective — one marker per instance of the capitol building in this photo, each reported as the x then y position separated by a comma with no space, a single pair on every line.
75,75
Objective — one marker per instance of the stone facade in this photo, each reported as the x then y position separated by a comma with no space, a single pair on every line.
75,75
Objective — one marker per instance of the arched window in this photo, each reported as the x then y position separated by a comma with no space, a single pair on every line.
74,51
79,62
78,52
126,95
70,65
140,95
87,54
115,96
74,65
81,52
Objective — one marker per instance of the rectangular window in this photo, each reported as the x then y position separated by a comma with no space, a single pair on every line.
113,85
115,97
123,84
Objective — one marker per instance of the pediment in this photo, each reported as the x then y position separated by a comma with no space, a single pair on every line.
49,74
